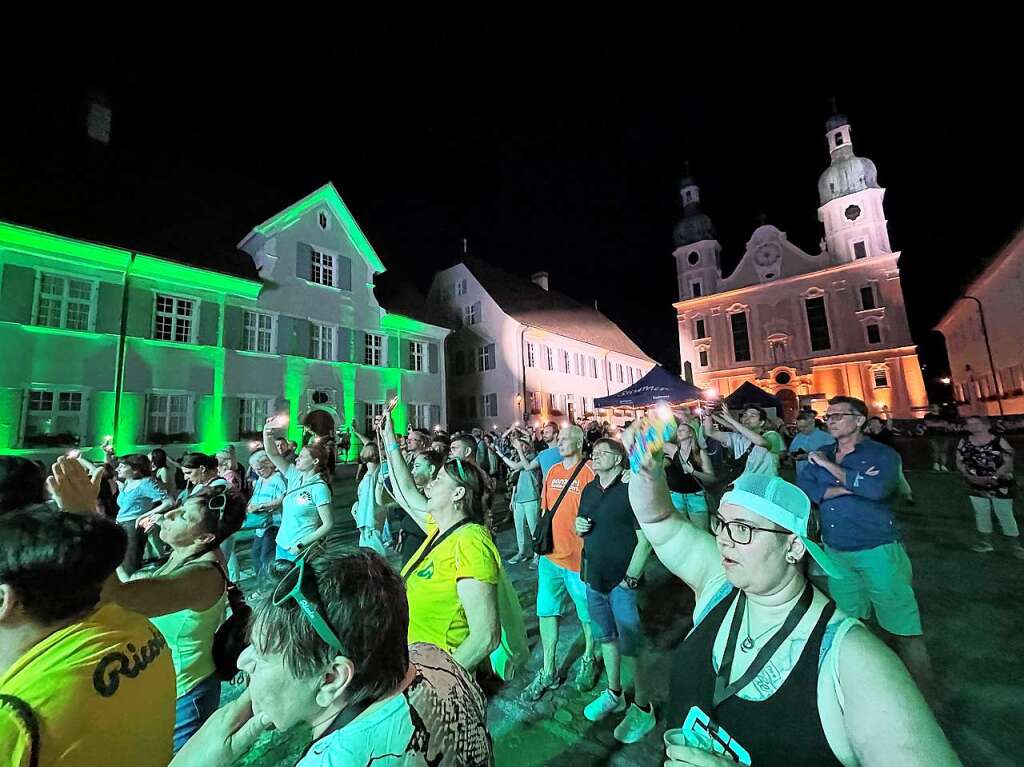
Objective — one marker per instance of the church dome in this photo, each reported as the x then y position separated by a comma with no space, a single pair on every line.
847,175
694,227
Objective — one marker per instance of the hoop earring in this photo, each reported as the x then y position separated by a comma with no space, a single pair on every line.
791,559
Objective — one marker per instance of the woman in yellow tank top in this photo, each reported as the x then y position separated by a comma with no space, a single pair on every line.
185,598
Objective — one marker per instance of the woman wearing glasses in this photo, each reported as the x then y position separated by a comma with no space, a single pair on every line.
772,673
186,598
452,580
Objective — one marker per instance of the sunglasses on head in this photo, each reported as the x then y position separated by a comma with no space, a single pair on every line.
290,587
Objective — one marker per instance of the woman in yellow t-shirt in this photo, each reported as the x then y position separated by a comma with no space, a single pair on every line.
452,579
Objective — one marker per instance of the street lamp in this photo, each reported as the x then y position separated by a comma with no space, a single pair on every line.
946,380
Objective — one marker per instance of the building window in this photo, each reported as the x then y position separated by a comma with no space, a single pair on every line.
699,329
252,416
839,139
694,256
860,250
417,354
593,367
174,319
490,405
374,354
630,375
321,341
374,411
422,416
258,332
322,268
64,302
564,360
817,323
471,314
531,356
740,337
702,357
881,378
169,417
54,418
549,357
577,364
610,371
534,397
321,218
554,403
485,357
460,287
618,373
874,334
460,362
695,290
867,297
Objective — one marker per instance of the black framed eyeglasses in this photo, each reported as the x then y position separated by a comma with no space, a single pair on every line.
740,532
837,416
290,587
217,502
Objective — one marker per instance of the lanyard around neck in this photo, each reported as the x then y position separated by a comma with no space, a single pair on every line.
724,690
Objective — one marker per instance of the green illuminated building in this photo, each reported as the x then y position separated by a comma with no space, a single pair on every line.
103,340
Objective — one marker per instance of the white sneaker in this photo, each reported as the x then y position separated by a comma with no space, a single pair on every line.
605,703
635,724
982,547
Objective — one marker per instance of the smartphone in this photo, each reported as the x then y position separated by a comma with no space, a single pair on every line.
391,404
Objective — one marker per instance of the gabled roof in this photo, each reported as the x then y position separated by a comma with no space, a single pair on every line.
327,196
550,310
1013,250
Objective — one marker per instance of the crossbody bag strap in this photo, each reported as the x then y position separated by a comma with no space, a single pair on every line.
561,495
434,543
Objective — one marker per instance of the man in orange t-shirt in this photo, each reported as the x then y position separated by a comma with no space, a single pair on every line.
558,573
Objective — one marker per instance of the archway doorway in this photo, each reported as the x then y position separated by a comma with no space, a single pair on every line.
790,406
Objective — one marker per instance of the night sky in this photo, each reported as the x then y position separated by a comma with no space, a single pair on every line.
545,150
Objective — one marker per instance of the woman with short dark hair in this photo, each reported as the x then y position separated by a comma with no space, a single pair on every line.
139,497
21,484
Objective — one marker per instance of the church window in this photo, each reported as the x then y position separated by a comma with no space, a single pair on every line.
695,290
860,250
867,297
839,139
881,378
740,337
693,258
874,334
817,323
703,357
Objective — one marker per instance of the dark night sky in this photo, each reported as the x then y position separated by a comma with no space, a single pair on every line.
545,152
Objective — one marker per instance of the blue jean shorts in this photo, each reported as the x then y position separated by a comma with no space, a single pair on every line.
553,583
614,616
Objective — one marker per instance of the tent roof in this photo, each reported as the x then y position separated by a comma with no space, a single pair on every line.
657,386
749,394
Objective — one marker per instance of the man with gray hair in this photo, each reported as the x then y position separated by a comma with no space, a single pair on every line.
265,511
558,572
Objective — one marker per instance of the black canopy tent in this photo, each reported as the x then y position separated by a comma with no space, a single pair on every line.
657,386
749,394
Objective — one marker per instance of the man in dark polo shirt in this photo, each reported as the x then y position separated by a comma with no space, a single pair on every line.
611,568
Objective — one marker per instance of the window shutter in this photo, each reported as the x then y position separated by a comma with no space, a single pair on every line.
490,357
492,404
476,312
303,338
344,266
303,261
286,335
410,416
232,408
18,288
404,361
432,354
344,352
435,415
393,353
234,319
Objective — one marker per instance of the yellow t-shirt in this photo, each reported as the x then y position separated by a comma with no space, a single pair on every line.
101,691
436,614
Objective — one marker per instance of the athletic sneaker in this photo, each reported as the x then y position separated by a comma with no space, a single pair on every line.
540,685
982,547
635,724
533,563
515,560
605,703
587,676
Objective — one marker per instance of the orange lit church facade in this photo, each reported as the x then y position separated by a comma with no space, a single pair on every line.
803,327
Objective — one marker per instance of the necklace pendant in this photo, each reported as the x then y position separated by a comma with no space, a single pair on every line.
747,645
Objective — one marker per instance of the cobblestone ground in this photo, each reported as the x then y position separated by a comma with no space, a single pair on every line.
973,623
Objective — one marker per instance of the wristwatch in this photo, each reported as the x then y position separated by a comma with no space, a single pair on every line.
631,583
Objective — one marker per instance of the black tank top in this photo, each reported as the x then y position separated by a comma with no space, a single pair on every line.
783,730
680,481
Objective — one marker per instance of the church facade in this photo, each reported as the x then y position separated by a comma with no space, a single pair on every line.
804,327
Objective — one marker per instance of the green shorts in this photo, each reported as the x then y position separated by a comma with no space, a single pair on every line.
880,579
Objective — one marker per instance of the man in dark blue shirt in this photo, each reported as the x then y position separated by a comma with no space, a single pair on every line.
852,483
611,569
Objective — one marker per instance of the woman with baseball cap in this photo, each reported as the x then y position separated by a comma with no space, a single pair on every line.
772,673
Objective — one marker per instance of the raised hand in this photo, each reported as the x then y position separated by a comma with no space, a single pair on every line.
72,487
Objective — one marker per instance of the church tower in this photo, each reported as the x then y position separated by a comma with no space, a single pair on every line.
851,200
697,251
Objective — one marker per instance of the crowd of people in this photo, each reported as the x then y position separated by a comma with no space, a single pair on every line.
117,580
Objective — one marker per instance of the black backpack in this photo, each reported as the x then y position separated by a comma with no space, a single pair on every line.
232,636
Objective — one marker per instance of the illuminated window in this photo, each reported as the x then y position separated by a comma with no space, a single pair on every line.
417,354
169,414
322,268
175,319
252,414
54,417
258,332
531,356
460,287
64,302
485,358
374,350
534,397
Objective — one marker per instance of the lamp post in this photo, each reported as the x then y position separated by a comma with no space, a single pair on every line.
988,348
